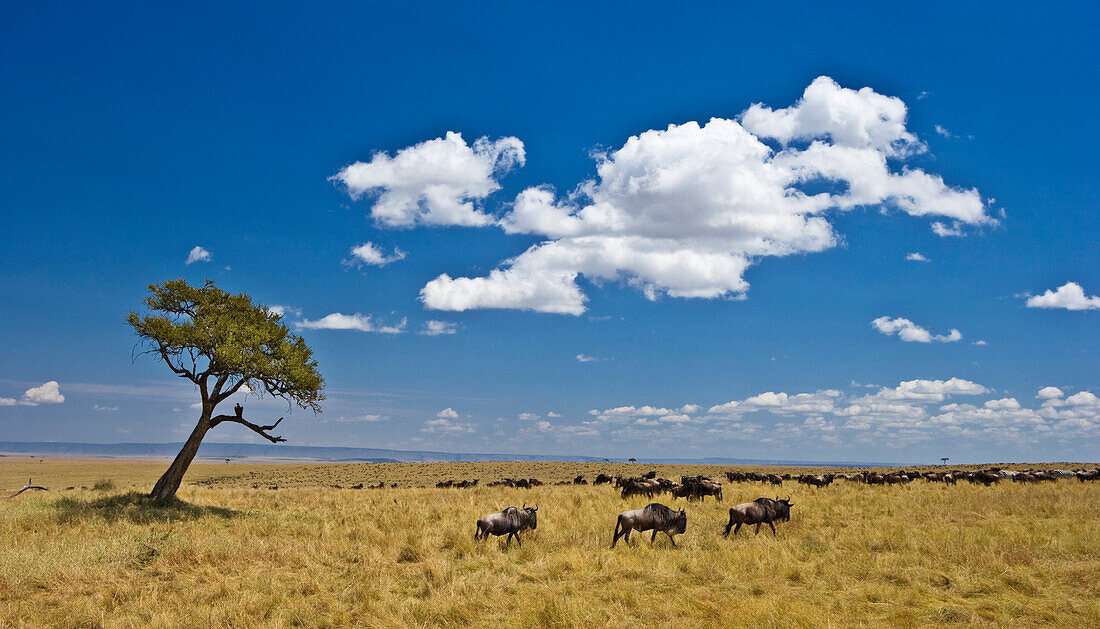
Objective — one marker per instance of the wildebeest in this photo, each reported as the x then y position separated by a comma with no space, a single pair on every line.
759,511
508,522
656,517
601,479
640,487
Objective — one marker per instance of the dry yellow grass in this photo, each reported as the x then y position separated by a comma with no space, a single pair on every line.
311,555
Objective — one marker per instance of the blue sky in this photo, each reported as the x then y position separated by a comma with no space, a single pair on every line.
657,273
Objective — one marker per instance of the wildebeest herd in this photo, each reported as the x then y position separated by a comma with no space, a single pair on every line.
659,518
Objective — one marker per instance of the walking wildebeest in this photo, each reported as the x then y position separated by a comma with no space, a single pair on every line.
508,522
656,517
759,511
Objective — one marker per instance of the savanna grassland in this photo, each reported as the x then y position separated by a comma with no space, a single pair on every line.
235,551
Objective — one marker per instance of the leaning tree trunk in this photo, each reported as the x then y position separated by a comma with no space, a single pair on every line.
168,484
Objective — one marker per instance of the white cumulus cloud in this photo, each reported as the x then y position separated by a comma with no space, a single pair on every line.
47,393
916,256
684,211
371,254
911,332
1069,296
198,254
1049,393
359,322
435,182
447,413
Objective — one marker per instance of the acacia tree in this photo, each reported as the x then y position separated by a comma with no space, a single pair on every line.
223,344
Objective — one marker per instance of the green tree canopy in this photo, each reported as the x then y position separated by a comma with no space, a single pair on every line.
224,343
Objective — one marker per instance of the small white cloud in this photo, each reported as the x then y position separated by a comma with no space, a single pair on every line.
584,358
283,311
911,332
8,401
104,409
944,132
1069,296
447,413
528,417
368,418
48,393
544,426
916,257
1049,393
553,414
198,254
438,328
923,95
370,254
943,230
445,425
980,342
362,323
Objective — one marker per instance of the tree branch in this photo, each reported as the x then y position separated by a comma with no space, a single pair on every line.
237,419
28,486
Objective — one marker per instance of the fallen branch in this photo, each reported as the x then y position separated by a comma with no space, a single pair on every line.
26,487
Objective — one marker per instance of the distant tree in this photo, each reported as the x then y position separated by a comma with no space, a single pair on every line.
632,460
223,344
944,460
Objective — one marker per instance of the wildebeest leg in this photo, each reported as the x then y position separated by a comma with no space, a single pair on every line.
653,537
670,538
518,540
728,526
508,540
757,529
773,527
737,528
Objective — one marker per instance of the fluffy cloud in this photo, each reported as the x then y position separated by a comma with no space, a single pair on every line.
47,393
362,323
911,332
1069,296
686,210
928,390
435,182
916,256
447,413
914,411
198,254
585,358
370,254
438,328
445,425
282,311
1049,393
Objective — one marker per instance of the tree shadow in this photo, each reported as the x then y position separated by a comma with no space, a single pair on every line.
135,507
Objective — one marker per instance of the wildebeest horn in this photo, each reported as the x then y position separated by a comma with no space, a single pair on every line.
788,498
525,506
536,508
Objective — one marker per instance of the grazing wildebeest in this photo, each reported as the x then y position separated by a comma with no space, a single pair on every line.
640,487
601,479
759,511
508,522
656,517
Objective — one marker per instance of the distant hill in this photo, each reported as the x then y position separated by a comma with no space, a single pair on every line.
285,453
